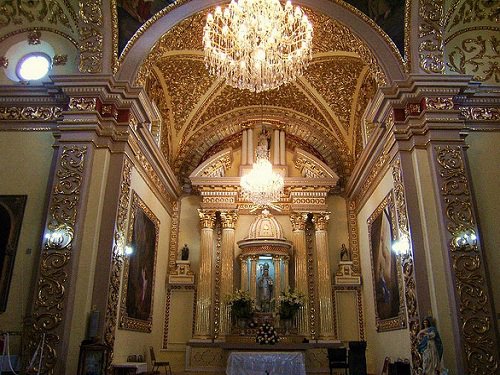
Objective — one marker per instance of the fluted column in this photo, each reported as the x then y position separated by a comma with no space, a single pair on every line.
253,277
324,280
286,273
250,146
228,220
276,147
244,148
298,220
282,148
204,289
277,275
244,273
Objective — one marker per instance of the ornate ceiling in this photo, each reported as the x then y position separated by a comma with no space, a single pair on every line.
320,112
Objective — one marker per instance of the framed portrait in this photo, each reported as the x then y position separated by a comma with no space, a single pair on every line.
387,277
11,217
93,359
139,268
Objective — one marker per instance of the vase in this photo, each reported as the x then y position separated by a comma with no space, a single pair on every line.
287,324
241,323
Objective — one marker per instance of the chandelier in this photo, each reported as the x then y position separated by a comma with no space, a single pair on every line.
257,44
262,186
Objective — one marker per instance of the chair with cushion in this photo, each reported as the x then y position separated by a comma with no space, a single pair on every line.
337,358
157,364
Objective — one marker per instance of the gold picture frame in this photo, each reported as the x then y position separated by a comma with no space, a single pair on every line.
388,293
136,309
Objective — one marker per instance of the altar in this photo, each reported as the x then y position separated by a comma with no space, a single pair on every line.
258,363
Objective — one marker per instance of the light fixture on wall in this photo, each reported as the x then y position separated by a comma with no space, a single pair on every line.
257,44
465,240
402,245
262,185
58,237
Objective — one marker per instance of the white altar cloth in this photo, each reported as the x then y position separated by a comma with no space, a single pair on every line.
261,363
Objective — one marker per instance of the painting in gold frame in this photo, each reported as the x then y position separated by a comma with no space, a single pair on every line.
387,277
136,310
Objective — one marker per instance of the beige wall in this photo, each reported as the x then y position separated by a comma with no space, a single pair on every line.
484,162
131,342
338,232
26,159
394,344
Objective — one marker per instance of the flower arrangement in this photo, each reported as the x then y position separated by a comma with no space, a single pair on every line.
266,334
241,304
289,303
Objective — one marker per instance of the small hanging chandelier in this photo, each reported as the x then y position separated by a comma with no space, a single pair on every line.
257,44
262,186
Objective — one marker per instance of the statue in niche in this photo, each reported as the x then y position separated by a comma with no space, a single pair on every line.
345,255
265,286
185,252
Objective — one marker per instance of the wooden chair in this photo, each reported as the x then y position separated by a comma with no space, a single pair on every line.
337,358
157,364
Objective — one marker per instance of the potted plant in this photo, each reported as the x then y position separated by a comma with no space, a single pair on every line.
241,305
289,303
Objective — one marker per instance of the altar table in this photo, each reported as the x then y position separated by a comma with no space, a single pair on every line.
129,368
261,363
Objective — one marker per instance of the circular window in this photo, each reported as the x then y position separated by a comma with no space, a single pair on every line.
33,66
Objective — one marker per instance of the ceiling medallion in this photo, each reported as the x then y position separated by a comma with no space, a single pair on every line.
257,45
262,186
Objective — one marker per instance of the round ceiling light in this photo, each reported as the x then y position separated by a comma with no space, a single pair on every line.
33,66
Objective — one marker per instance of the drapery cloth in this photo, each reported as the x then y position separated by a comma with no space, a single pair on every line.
262,363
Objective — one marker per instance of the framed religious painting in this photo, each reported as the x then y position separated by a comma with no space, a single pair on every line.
11,217
387,275
93,359
136,310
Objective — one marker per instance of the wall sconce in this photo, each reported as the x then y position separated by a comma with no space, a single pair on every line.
401,246
466,240
59,237
128,250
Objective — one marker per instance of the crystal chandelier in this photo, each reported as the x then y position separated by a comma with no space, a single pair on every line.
257,44
262,186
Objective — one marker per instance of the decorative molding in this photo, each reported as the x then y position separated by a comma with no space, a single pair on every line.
18,12
40,113
34,37
407,264
475,316
321,220
91,44
59,60
52,284
217,279
313,303
82,104
353,236
480,113
439,103
174,237
168,301
430,34
111,317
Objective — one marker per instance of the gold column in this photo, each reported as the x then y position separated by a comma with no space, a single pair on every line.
244,273
286,280
227,265
324,281
298,220
204,289
253,277
277,275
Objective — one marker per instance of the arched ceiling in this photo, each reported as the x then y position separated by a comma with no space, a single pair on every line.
321,111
